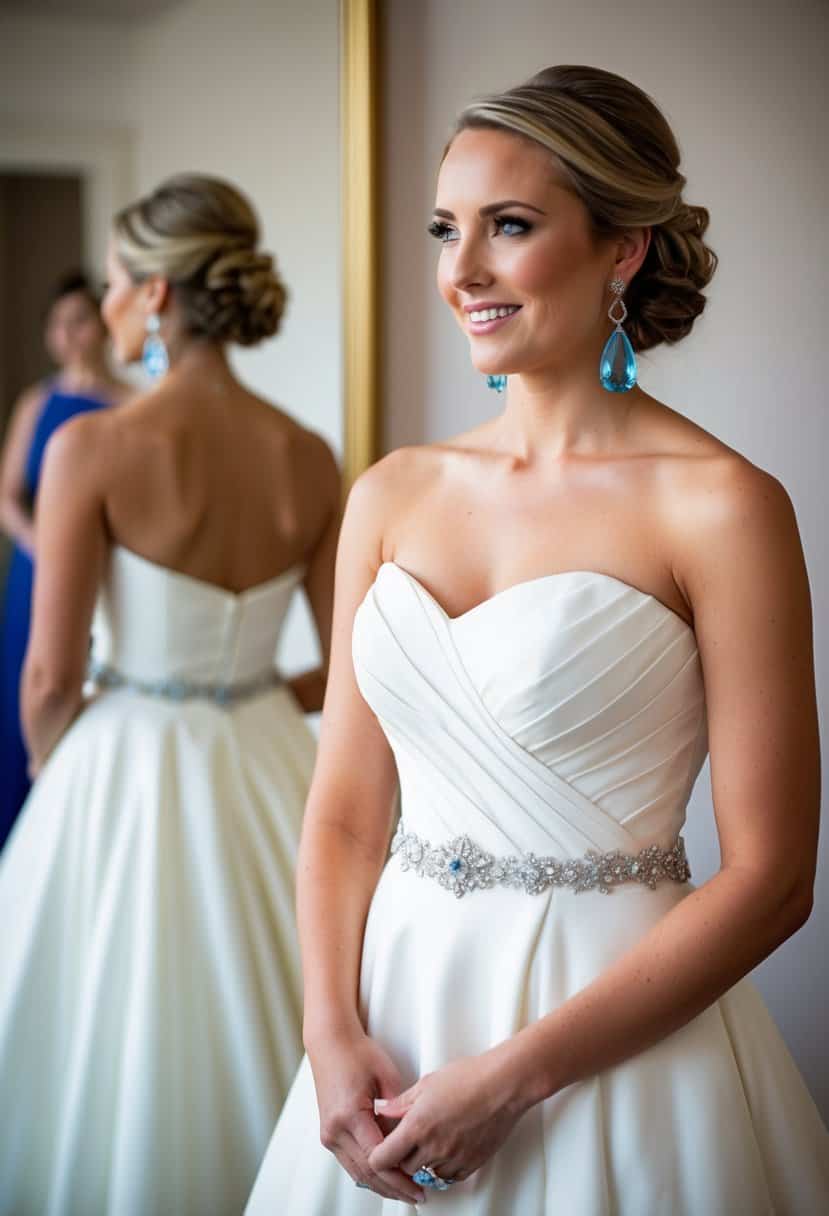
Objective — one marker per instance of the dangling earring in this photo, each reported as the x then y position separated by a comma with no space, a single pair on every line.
499,383
617,366
154,354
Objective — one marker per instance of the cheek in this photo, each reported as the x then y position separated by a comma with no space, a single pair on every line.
56,345
90,334
546,272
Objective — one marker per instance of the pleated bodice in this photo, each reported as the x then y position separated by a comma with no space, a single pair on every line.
586,688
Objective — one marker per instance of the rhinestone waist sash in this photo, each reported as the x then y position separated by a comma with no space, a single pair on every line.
173,689
461,866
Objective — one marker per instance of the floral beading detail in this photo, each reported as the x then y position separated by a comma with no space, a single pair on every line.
462,866
174,689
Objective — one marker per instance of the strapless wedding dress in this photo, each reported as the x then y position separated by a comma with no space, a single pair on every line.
149,978
547,742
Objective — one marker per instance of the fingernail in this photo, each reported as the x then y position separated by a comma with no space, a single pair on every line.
379,1102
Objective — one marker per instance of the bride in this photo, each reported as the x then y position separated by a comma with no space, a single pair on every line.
540,628
149,978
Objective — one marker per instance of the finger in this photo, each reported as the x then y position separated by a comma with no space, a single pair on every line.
394,1108
361,1174
415,1161
452,1169
367,1136
397,1146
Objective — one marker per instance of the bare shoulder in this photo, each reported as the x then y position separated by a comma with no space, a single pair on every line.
381,494
706,490
726,491
80,454
734,527
316,453
395,479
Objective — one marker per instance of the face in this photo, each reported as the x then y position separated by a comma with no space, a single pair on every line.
74,332
519,265
124,309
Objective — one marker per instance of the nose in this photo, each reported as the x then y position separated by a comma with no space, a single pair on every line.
469,265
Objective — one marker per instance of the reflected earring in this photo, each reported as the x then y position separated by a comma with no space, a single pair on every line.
154,354
617,366
498,383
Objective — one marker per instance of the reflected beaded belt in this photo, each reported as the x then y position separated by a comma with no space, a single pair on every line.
461,866
182,690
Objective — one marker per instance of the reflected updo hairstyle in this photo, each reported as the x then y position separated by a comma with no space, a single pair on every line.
622,160
201,234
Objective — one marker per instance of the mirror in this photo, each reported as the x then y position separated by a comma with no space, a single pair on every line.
102,99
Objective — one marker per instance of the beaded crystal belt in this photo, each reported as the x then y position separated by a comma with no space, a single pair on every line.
182,690
461,866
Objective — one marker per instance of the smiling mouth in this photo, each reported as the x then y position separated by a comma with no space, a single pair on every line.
481,315
482,321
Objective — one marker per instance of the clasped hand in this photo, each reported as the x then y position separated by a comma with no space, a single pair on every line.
454,1119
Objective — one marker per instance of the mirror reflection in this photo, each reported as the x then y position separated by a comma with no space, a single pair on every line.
170,487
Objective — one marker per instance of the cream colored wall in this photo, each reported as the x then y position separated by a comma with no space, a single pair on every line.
745,86
249,91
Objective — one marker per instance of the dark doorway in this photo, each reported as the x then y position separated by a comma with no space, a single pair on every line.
41,237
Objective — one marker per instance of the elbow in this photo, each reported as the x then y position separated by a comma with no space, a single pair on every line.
793,908
47,690
800,904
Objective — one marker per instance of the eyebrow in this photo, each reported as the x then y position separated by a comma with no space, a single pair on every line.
492,208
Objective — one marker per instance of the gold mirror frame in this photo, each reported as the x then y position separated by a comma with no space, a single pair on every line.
359,128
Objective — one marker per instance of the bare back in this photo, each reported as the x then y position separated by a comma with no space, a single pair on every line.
207,479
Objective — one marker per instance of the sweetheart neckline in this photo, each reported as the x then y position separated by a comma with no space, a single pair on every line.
296,570
529,582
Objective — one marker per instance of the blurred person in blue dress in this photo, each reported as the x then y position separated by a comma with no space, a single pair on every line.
76,340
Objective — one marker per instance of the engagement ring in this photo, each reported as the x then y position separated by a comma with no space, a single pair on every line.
428,1177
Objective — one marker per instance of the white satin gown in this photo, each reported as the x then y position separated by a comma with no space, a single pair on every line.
564,716
149,976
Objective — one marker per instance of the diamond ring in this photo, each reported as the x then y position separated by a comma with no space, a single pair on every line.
428,1177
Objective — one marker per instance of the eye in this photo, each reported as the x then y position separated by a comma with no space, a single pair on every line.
511,225
442,232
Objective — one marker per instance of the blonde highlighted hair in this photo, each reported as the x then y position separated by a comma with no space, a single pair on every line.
620,157
201,234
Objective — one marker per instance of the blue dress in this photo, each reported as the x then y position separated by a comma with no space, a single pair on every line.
15,613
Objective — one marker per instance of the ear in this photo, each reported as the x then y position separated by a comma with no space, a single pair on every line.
631,248
156,293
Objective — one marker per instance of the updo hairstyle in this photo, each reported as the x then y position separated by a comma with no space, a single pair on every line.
622,160
201,234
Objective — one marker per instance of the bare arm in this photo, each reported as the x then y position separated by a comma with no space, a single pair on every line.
746,578
309,686
348,816
72,545
348,822
15,512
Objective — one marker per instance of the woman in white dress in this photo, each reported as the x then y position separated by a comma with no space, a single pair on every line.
150,1006
540,628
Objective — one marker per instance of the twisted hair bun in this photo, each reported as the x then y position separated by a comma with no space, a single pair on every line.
665,296
201,234
620,156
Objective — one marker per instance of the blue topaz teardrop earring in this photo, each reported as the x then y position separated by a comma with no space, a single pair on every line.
498,383
154,354
617,366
